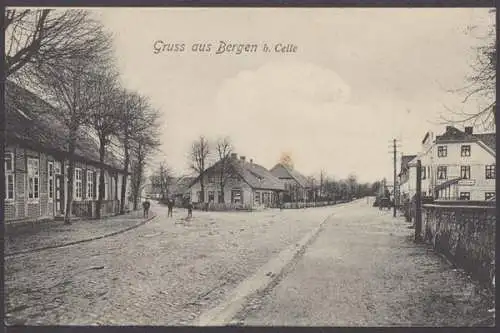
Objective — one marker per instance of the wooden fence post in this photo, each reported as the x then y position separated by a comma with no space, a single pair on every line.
418,203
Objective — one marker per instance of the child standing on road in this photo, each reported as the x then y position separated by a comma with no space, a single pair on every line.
146,206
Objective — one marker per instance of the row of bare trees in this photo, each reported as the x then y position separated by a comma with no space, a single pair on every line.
329,188
67,57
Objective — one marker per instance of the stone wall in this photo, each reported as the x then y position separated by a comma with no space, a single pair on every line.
465,234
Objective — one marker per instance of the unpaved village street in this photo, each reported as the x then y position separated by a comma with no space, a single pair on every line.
365,270
362,269
165,272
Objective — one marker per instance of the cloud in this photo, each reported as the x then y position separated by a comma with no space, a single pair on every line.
301,108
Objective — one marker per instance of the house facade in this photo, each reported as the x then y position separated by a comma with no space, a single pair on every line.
457,165
36,165
406,186
247,185
297,187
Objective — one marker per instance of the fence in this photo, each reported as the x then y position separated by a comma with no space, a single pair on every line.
297,205
465,233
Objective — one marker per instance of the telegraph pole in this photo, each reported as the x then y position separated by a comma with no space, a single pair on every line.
395,186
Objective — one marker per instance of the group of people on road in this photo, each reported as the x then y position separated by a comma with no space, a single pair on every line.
170,204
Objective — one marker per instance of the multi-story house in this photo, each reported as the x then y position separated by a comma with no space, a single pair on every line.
457,165
36,164
297,186
246,184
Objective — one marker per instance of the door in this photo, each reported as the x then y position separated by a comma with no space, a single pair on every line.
59,191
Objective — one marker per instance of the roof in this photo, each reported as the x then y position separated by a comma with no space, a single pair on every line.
490,139
447,183
282,171
405,159
253,174
453,134
181,185
257,176
32,121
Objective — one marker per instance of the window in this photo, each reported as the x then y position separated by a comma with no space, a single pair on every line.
257,198
220,197
490,171
465,172
464,196
211,179
9,162
211,196
9,186
198,196
78,183
33,178
441,172
489,195
442,151
57,168
50,179
236,196
465,150
9,176
424,173
90,184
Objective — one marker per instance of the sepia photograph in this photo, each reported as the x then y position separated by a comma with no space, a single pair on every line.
225,166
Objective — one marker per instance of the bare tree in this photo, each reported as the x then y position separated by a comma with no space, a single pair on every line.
199,154
352,185
104,118
45,37
132,120
68,90
480,85
143,143
53,52
321,182
161,180
286,160
224,149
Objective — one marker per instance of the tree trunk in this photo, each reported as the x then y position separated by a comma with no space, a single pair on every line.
124,178
100,198
69,194
137,179
222,193
202,186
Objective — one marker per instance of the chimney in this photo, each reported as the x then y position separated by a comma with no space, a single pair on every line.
468,130
242,158
234,156
251,161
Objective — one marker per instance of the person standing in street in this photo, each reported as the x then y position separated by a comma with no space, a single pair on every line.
170,205
145,205
190,209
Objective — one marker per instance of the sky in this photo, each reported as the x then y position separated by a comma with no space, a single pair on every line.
358,79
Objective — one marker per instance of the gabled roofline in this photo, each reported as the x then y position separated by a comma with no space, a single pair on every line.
197,178
290,174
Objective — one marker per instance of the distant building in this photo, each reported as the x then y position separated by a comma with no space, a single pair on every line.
406,187
248,184
36,164
297,186
457,165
